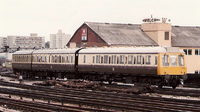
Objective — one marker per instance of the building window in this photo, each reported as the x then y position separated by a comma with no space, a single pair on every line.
188,51
197,51
166,35
84,34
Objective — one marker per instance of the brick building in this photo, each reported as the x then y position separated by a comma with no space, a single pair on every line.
108,34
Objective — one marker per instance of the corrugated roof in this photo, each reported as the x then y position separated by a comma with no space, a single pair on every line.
183,36
121,34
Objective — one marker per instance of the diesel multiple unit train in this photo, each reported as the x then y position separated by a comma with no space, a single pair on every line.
154,65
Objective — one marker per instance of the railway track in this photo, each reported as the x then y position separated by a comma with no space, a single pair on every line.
39,106
105,100
178,92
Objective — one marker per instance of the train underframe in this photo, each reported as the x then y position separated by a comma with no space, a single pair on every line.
160,81
164,80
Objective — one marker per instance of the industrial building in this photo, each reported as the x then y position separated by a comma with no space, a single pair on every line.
153,32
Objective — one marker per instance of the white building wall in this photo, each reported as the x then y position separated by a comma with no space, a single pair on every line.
59,40
26,42
3,42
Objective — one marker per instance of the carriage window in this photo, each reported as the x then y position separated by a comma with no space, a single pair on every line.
156,60
173,60
59,59
39,59
105,59
121,59
117,59
43,59
114,59
63,59
93,59
101,59
126,60
97,58
23,58
52,59
134,60
165,60
84,59
26,58
72,59
55,59
111,61
49,58
148,60
138,59
130,59
181,60
69,59
142,57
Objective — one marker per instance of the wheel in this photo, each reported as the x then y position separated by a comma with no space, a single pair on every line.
174,87
160,86
110,81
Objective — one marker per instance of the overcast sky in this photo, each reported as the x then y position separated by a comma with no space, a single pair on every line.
45,17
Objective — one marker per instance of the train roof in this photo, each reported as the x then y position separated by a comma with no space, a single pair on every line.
24,52
56,51
48,51
127,50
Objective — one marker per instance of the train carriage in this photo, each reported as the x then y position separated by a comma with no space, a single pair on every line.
145,64
21,60
45,62
154,65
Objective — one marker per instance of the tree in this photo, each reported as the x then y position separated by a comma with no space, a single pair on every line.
47,44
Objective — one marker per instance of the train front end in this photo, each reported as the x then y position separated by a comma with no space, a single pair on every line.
172,67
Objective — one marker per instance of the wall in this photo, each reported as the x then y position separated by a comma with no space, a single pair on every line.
93,40
156,31
192,61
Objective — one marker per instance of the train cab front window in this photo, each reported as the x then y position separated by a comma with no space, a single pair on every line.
173,60
181,60
165,60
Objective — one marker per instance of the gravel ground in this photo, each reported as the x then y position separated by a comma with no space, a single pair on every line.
29,82
3,108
